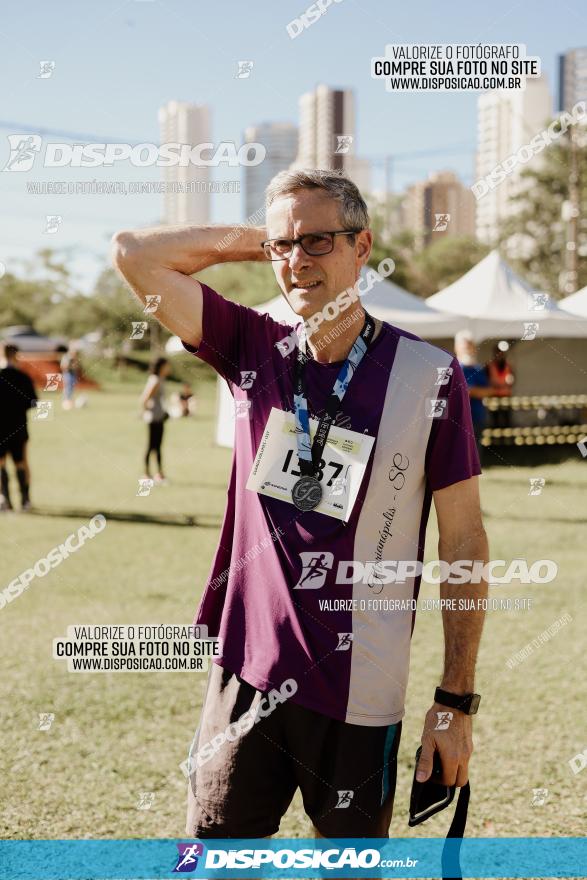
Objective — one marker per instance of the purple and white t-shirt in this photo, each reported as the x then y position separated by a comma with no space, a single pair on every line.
349,658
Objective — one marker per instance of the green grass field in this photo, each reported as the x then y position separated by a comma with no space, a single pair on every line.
116,735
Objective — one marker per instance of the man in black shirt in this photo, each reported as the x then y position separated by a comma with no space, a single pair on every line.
17,396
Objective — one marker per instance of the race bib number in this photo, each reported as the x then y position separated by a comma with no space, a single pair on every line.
340,471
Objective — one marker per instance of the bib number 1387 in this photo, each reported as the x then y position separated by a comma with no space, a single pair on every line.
289,467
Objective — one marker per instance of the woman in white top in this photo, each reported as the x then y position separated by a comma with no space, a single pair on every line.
155,414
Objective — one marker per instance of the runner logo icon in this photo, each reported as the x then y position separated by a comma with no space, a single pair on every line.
187,859
315,567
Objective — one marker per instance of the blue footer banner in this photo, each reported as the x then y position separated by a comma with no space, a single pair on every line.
507,857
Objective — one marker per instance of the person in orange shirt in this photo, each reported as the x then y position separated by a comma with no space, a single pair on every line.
501,380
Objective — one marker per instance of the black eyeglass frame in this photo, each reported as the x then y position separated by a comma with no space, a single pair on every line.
299,240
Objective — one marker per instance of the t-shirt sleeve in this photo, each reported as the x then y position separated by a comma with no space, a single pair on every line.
452,451
234,337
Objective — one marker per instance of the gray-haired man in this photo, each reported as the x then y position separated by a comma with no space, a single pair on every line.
331,638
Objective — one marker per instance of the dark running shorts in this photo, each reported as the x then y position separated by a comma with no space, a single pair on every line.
14,445
241,786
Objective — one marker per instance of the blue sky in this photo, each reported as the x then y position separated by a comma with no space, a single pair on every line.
117,62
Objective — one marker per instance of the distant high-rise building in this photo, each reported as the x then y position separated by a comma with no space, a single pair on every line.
280,139
506,121
572,83
328,134
437,207
184,123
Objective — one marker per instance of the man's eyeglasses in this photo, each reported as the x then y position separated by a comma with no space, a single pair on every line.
315,244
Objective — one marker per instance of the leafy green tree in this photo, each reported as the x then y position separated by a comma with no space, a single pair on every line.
400,247
444,261
537,230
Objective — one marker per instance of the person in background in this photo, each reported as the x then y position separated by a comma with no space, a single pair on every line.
155,415
70,368
477,380
17,396
186,399
501,379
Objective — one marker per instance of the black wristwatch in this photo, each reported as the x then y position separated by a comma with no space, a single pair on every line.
467,703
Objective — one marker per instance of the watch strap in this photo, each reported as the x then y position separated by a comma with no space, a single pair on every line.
467,703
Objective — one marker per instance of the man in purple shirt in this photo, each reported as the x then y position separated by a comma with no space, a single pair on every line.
346,428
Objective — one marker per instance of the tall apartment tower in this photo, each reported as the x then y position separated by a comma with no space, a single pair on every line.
506,121
280,139
437,207
328,134
572,84
184,123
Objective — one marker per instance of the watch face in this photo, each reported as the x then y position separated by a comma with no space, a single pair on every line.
475,700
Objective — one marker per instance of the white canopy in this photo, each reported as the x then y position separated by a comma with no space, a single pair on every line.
576,303
497,303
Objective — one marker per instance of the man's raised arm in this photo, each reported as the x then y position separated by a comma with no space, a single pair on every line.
161,260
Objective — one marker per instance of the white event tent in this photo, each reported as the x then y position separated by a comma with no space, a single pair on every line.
497,303
576,303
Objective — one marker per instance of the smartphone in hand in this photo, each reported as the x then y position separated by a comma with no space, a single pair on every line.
431,796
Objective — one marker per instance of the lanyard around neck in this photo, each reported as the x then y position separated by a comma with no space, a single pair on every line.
309,454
